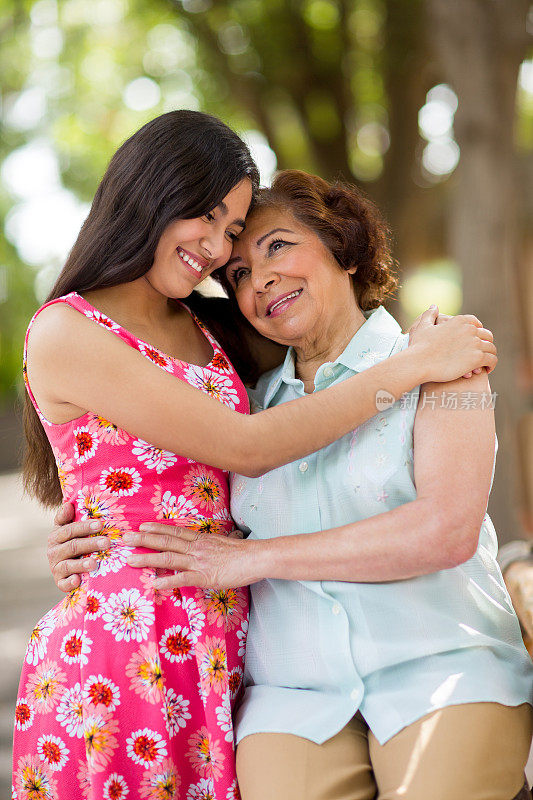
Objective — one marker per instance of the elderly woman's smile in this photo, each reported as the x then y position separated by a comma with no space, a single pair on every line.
291,288
281,303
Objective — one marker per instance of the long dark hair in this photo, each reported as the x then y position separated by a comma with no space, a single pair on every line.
179,165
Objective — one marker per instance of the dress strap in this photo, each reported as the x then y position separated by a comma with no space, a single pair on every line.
207,333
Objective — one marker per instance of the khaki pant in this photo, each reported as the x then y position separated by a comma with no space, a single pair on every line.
475,751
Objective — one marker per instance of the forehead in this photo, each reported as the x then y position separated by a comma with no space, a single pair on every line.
261,221
242,191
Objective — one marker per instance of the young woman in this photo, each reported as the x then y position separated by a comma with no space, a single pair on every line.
383,657
127,690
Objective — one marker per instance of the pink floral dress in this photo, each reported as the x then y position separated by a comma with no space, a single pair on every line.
127,692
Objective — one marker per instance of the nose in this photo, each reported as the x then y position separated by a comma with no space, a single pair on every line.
263,278
215,245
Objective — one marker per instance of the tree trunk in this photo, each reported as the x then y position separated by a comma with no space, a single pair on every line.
480,45
412,211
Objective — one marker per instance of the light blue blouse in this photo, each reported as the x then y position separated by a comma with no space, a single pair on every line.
319,651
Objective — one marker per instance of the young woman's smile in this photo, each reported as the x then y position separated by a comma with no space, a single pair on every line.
190,249
192,261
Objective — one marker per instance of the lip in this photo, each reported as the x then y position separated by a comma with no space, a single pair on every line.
281,308
199,260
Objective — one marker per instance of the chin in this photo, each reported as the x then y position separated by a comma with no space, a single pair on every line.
272,338
291,331
285,338
181,291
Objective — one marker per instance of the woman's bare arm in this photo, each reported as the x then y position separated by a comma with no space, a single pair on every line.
453,459
75,362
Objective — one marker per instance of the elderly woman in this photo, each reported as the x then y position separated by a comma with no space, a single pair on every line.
384,657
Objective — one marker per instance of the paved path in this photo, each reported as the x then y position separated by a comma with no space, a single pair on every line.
26,592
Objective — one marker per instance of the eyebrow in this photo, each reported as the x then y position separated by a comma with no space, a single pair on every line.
232,261
259,243
223,207
274,230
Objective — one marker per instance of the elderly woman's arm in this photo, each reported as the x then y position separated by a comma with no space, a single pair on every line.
453,460
453,457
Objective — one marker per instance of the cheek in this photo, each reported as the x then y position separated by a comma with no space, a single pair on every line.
191,230
226,253
245,301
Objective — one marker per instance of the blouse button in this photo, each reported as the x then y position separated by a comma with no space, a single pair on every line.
354,694
328,372
303,466
336,609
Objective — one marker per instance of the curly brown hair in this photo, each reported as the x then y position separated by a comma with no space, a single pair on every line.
348,223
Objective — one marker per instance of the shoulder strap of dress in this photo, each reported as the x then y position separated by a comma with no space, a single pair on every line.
207,333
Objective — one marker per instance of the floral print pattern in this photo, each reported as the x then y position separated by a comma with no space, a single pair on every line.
125,481
33,779
218,386
203,485
156,356
53,751
127,691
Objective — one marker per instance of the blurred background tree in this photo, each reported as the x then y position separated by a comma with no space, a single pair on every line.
427,104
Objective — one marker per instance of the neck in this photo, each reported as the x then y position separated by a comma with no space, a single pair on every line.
326,344
135,301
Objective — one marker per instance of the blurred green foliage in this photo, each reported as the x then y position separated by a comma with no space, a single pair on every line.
333,85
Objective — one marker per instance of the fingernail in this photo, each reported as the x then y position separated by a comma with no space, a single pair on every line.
88,564
145,526
102,541
129,538
95,526
432,307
